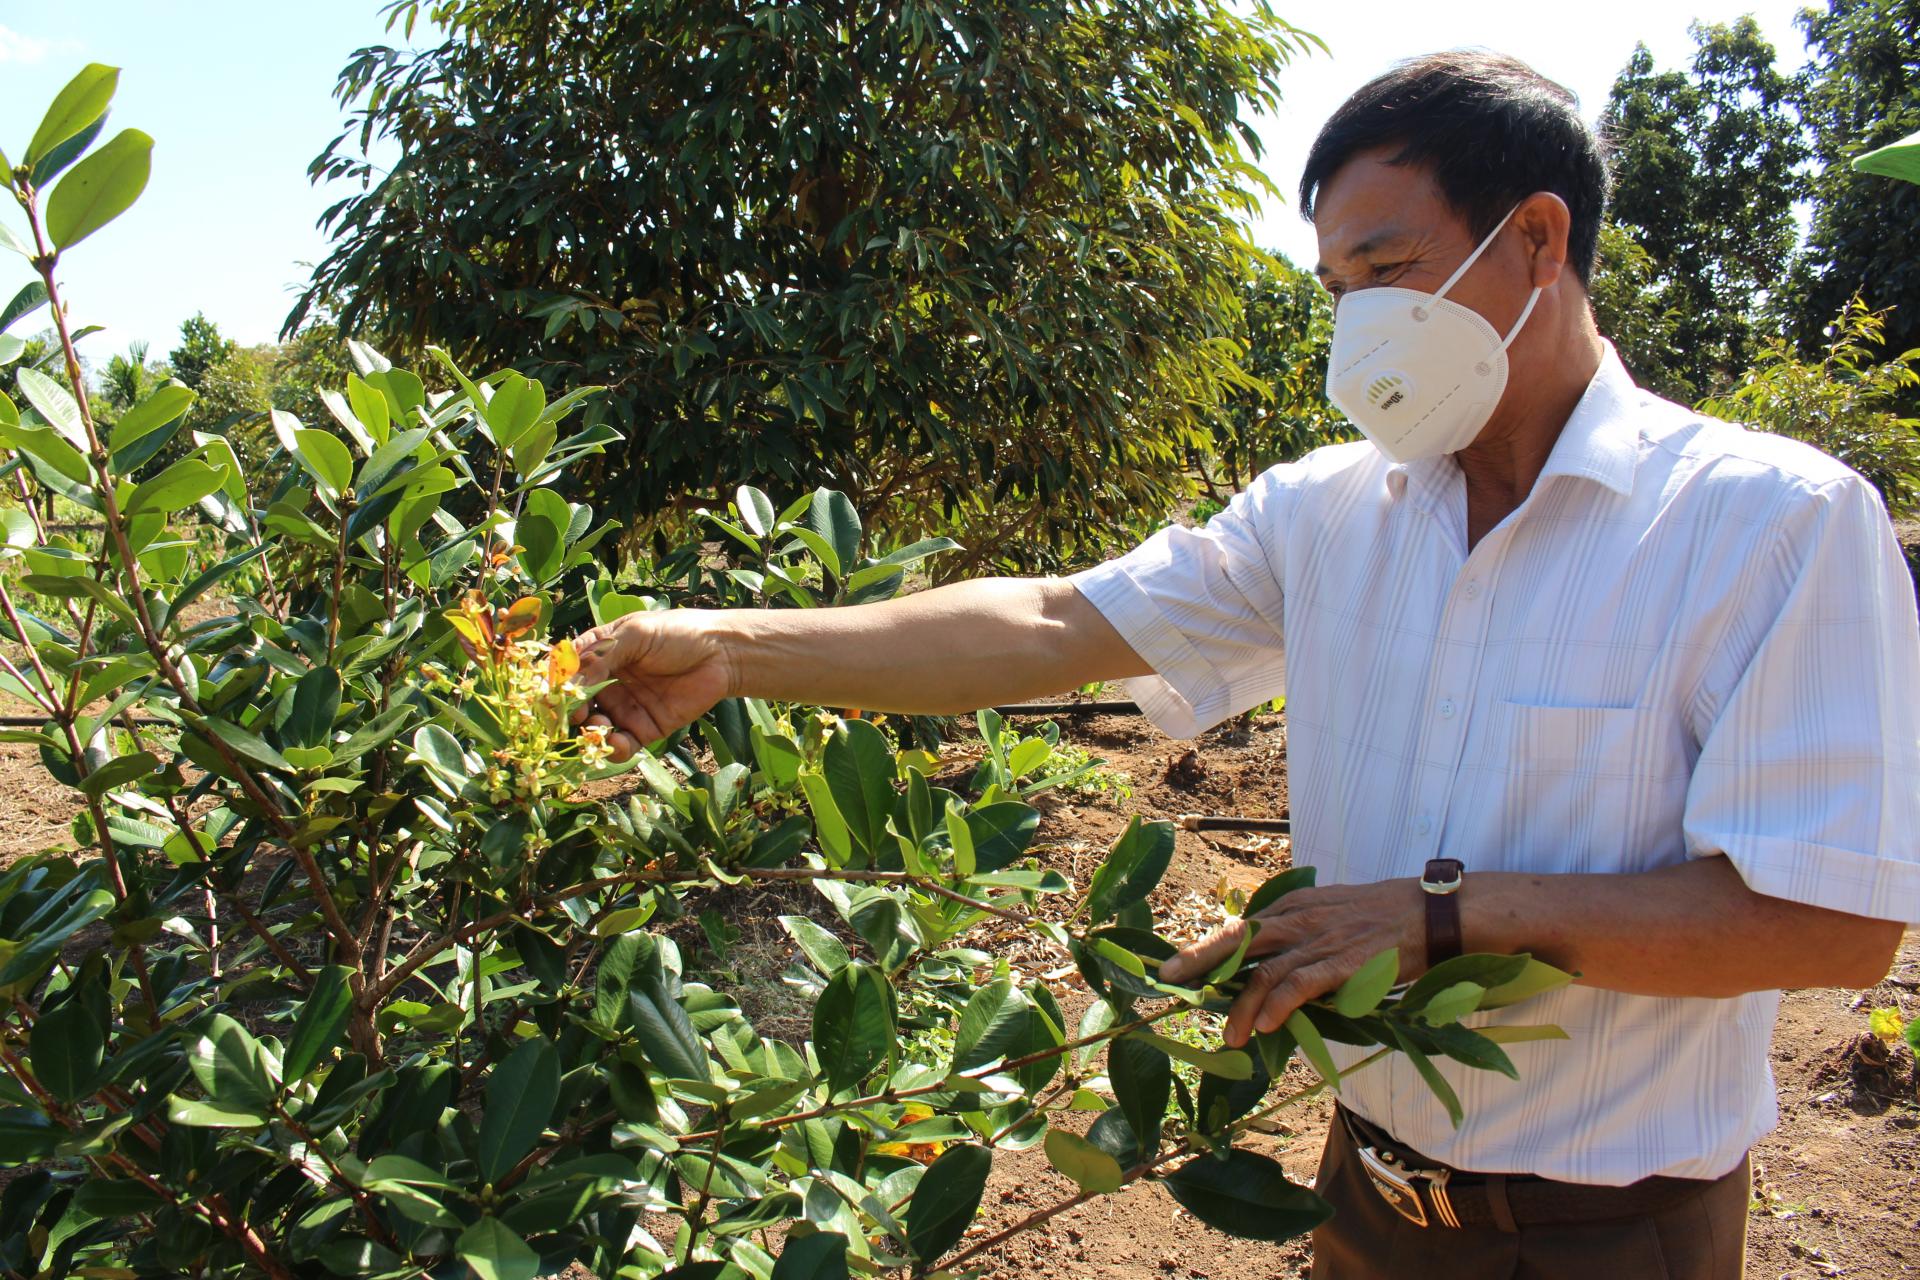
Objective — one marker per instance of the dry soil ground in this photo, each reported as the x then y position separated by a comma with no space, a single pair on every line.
1837,1186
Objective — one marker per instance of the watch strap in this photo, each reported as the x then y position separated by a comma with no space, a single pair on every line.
1444,940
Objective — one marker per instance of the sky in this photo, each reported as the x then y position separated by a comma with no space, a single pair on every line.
238,95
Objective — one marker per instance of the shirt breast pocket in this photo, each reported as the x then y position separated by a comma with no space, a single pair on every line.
1598,789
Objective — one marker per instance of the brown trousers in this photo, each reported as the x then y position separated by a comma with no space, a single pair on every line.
1703,1237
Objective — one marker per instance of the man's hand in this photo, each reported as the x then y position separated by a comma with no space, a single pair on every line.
1316,939
667,668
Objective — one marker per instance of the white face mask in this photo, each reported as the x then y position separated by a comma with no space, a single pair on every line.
1418,373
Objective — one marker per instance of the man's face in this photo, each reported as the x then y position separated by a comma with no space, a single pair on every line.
1386,224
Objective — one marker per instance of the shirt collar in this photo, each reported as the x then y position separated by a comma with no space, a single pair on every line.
1598,442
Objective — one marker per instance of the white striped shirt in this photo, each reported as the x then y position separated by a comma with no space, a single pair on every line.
1690,639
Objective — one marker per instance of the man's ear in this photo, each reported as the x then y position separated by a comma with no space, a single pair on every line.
1545,224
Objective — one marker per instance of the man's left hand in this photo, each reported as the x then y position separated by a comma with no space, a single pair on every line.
1314,940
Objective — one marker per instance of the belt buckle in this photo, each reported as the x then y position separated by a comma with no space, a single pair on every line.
1397,1185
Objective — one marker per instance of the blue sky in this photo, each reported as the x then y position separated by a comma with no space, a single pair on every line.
238,95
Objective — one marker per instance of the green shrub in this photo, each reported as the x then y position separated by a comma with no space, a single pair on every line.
352,972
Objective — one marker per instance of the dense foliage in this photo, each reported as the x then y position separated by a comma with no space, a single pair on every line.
1284,413
979,264
1861,90
1705,175
354,970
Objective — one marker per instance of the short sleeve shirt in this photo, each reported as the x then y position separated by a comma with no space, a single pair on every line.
1691,639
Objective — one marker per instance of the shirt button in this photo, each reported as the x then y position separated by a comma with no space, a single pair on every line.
1422,825
1446,708
1472,589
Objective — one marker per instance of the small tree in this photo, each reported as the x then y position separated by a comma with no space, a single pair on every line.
1844,403
974,264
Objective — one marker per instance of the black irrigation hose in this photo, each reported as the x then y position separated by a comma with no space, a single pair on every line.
1226,822
1116,708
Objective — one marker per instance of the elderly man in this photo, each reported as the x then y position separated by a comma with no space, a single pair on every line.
1572,669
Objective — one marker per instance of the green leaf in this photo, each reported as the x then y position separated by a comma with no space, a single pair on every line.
1535,978
67,1048
84,100
118,772
1247,1195
1469,1046
1362,993
823,951
1431,1074
520,1097
662,1027
833,518
1001,832
212,1115
231,1065
495,1253
853,1028
46,445
1314,1046
46,941
1278,887
1138,859
55,404
323,1017
946,1199
1490,971
249,746
167,402
1142,1079
325,458
858,768
316,701
1503,1034
1452,1004
32,296
516,405
1090,1168
100,188
179,486
1228,1064
820,1256
756,509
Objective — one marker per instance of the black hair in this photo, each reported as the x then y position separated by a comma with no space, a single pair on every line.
1490,129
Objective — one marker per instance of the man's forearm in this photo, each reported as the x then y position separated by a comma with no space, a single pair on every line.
940,652
1688,930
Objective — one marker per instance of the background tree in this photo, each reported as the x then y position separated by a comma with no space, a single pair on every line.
201,348
1637,311
1706,171
1861,89
1288,321
126,380
979,263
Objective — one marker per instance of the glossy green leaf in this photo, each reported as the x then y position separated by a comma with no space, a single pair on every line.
1452,1003
1090,1168
1142,1079
853,1030
1431,1074
1228,1064
1534,978
494,1252
517,404
1362,993
820,1256
1314,1046
32,296
520,1097
315,704
1277,887
833,519
322,1021
325,458
100,188
55,404
165,404
82,101
67,1047
1247,1195
946,1199
179,486
1131,870
1002,832
858,768
231,1065
663,1029
47,446
196,1114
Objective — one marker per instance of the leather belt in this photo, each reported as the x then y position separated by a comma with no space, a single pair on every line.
1428,1193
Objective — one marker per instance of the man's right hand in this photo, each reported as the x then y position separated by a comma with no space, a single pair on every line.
666,668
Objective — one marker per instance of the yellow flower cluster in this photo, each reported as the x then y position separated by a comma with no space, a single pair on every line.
529,688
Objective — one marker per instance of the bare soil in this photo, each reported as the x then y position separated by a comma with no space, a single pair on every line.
1837,1185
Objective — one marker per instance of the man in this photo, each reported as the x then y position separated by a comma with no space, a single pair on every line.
1650,678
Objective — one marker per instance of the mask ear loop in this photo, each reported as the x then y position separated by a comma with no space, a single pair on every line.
1420,312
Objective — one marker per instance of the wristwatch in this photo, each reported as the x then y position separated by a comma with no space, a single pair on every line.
1442,880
